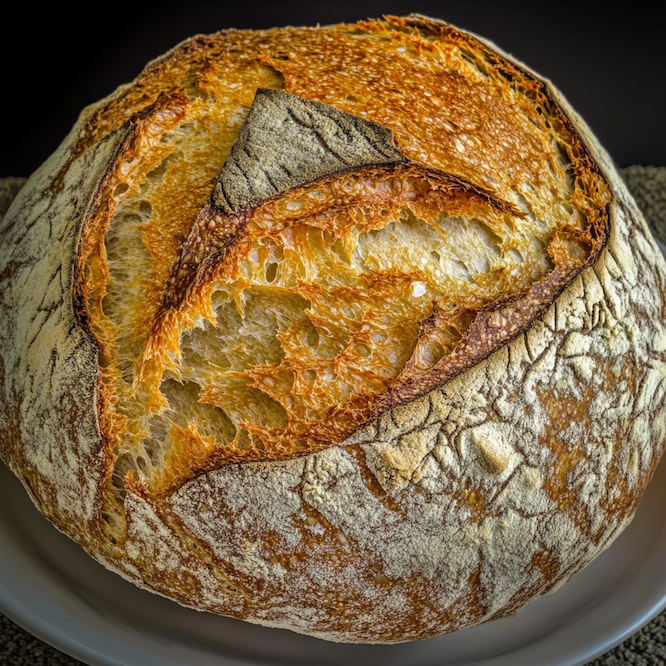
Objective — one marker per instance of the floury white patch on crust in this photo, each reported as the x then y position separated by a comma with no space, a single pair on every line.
51,436
329,488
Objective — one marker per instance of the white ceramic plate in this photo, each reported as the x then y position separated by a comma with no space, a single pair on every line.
53,589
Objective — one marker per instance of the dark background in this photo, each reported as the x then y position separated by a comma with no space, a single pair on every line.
610,63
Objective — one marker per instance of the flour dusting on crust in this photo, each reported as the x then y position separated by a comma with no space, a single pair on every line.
488,489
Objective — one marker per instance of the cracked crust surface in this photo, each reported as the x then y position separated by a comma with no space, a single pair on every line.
452,509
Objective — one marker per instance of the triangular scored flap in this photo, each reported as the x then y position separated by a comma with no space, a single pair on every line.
288,141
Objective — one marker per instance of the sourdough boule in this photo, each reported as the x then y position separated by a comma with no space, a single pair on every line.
354,331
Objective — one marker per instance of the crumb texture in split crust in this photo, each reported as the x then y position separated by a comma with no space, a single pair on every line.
350,335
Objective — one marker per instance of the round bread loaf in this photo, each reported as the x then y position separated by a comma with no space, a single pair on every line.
353,330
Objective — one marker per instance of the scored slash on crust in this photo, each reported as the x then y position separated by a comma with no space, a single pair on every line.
286,147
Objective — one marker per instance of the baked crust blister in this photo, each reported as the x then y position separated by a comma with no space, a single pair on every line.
399,378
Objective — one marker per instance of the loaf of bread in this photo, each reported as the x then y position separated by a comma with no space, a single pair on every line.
354,331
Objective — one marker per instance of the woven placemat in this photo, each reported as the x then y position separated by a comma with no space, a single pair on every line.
647,647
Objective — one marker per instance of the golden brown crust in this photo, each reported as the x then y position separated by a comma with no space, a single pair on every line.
525,149
541,369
